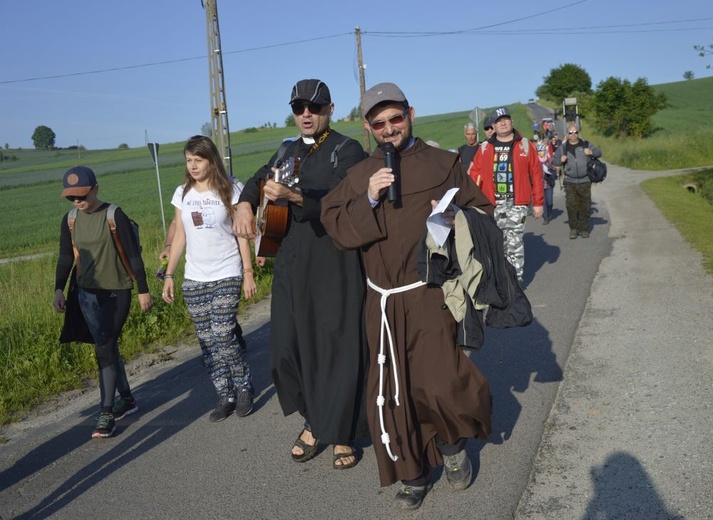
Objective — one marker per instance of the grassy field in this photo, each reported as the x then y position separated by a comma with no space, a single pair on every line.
33,365
692,214
683,136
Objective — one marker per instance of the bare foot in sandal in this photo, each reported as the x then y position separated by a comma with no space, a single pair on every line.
305,447
345,457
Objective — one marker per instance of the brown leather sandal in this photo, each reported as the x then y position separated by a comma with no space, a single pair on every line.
342,456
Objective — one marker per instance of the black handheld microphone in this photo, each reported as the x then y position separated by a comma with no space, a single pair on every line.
390,161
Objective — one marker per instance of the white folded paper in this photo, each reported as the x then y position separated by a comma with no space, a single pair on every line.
436,223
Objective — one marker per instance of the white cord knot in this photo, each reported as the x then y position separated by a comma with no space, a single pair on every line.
385,336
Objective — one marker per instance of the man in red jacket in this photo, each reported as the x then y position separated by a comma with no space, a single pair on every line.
510,175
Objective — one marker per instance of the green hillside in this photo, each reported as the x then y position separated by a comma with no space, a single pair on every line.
250,150
690,103
683,135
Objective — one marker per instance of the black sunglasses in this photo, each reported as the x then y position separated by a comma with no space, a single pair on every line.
488,128
393,120
79,198
314,108
573,132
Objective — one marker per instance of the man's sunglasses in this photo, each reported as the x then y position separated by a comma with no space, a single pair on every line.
573,132
299,108
393,120
488,128
76,198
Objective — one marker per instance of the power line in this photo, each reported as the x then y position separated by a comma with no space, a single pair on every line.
290,43
100,71
558,30
602,29
475,29
592,30
167,62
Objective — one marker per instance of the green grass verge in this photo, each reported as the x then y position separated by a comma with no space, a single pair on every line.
690,213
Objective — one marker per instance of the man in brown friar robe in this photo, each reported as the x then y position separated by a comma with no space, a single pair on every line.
424,396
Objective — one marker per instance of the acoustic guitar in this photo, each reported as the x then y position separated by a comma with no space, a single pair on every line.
272,216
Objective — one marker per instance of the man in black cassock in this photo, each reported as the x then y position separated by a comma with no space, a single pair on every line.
317,340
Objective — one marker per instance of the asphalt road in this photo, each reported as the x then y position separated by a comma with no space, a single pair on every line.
601,407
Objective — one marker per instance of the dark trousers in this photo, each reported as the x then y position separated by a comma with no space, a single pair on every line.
105,313
547,211
578,198
446,450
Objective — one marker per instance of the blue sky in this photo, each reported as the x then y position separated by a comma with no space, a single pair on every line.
447,56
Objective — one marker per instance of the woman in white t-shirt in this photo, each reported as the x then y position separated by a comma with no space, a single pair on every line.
218,265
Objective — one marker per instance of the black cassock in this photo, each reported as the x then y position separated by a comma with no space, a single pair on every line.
317,338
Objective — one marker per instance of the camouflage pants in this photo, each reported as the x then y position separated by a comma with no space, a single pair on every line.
578,198
511,221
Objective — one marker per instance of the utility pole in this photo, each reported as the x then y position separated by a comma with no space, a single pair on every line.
218,106
362,89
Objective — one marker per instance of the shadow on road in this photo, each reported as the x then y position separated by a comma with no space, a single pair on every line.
537,253
623,489
175,399
509,359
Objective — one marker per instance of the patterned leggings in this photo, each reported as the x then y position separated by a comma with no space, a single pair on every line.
213,307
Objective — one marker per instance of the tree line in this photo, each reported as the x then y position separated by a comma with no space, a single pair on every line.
616,107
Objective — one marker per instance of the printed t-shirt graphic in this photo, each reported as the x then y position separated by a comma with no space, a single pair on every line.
502,170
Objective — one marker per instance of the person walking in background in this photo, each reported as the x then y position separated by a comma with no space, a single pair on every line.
548,180
217,267
487,129
512,180
573,156
467,151
317,343
427,398
104,285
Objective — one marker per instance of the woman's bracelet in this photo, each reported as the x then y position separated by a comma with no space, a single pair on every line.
168,275
248,271
166,245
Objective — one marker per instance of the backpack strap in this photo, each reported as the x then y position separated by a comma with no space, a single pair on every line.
334,157
71,217
281,151
110,213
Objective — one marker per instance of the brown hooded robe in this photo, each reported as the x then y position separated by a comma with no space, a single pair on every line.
442,392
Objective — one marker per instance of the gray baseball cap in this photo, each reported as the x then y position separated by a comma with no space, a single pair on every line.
380,93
